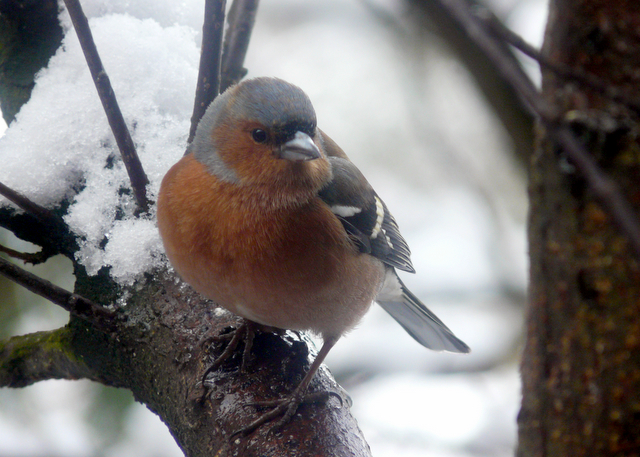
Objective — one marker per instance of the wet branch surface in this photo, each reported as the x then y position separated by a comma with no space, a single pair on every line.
156,351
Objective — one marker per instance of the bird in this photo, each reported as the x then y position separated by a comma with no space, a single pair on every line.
266,216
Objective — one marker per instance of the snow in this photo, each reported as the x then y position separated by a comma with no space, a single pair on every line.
153,70
410,118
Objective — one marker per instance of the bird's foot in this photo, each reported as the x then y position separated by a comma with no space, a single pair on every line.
283,410
246,331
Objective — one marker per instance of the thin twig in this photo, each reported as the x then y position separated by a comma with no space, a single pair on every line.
605,191
40,212
604,188
77,305
33,258
210,61
588,79
137,176
505,65
242,16
56,235
432,16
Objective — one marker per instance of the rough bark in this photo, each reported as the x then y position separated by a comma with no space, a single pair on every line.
30,34
157,352
581,368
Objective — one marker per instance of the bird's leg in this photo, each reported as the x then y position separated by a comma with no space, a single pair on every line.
246,330
286,407
250,334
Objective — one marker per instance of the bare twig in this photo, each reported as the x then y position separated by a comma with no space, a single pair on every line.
604,188
605,191
120,131
498,91
27,359
210,61
53,232
505,64
27,257
575,74
77,305
242,16
41,213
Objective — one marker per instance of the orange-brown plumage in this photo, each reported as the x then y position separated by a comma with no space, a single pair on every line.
282,266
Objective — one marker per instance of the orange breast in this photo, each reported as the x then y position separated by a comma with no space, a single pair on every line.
288,267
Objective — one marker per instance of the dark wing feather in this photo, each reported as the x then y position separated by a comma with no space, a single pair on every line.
399,255
364,215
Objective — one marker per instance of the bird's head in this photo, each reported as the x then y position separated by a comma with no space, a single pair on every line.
262,132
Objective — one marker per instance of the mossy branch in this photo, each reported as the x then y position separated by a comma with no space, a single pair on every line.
27,359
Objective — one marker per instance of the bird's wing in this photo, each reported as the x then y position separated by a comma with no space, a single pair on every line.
368,222
364,215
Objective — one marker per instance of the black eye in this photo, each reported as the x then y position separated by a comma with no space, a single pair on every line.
259,135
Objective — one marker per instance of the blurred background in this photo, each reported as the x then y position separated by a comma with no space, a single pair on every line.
388,88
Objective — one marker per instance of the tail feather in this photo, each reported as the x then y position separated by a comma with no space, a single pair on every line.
424,326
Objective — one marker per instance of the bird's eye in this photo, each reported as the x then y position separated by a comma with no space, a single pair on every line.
259,135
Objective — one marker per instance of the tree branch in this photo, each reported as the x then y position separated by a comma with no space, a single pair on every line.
33,258
53,233
590,80
504,62
77,305
28,228
605,191
27,359
498,90
157,353
242,16
119,128
208,86
43,214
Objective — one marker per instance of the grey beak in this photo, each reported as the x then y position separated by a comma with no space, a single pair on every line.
299,149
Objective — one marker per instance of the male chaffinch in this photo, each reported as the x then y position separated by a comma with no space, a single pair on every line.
266,216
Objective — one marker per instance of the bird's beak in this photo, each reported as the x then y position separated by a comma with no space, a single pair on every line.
300,148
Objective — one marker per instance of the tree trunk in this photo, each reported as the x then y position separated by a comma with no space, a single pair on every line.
581,364
30,34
